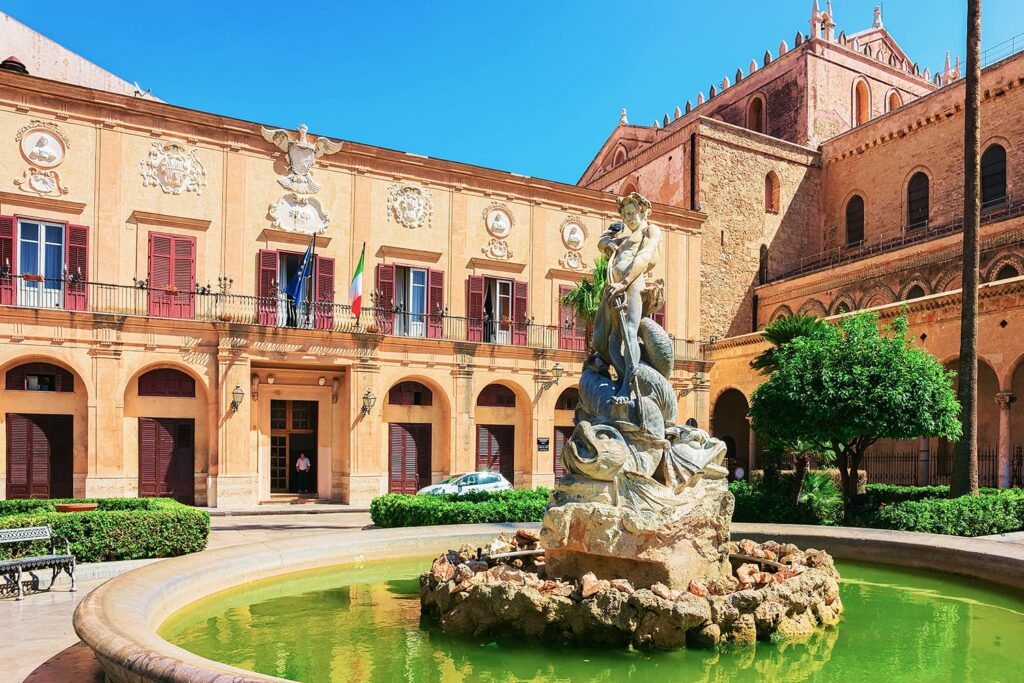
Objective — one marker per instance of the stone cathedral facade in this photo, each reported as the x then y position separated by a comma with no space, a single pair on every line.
153,342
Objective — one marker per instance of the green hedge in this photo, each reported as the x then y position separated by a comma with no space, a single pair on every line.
887,494
995,513
771,502
120,528
516,505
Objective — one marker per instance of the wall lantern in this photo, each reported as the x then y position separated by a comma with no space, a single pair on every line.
368,400
556,373
236,398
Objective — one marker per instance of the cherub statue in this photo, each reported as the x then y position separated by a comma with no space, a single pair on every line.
301,154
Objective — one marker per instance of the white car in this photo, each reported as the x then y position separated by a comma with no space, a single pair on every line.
471,482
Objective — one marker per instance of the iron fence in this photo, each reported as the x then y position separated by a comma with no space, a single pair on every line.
940,467
205,305
891,467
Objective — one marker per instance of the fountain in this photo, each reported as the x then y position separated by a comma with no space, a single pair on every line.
634,547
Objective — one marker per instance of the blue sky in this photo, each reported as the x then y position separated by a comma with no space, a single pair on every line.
526,86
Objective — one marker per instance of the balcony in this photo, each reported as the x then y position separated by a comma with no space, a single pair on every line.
205,305
1000,210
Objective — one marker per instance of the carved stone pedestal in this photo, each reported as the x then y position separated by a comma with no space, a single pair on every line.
672,547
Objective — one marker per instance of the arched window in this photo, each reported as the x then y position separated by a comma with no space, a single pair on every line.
568,400
755,114
497,396
620,156
167,382
894,100
1006,272
917,201
410,394
861,103
771,192
915,292
39,377
762,265
855,221
627,189
993,176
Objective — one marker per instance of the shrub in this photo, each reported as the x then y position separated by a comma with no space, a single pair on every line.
517,505
119,529
887,494
994,513
770,500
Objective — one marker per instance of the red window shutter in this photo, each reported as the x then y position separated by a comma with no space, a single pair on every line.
435,304
659,316
160,267
483,447
59,430
148,438
266,287
475,308
385,298
323,298
519,304
396,450
76,263
421,434
39,457
571,333
184,459
18,462
183,277
8,261
562,436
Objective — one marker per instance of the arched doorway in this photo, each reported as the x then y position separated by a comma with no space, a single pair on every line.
1014,403
729,423
496,418
45,407
565,411
410,416
166,425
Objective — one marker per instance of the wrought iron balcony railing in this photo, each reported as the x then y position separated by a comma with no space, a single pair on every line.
204,305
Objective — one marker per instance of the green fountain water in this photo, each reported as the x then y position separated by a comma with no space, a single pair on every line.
363,624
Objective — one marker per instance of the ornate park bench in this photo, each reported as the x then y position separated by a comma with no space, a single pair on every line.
12,570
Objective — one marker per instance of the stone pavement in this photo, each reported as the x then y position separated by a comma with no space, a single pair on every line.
41,643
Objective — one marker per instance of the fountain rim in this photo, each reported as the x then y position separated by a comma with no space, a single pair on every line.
119,620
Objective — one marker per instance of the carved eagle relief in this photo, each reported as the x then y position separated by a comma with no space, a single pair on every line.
300,154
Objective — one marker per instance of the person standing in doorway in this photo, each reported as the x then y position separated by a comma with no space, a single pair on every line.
302,466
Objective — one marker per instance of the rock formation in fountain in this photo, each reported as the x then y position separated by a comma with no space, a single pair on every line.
644,499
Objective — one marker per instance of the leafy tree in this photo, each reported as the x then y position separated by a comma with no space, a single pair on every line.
780,332
585,297
848,385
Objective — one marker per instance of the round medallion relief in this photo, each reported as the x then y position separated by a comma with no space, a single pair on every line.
573,235
42,148
499,223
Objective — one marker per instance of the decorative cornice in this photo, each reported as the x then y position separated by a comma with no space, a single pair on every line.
563,274
165,220
492,264
47,203
271,235
409,254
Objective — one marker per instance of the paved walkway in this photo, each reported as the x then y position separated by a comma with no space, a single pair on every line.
42,644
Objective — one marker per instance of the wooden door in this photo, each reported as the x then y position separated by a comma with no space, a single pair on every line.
562,436
39,456
166,458
495,449
408,456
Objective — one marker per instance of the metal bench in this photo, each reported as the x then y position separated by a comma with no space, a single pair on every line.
12,569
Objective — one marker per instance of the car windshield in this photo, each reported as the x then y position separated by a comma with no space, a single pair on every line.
450,480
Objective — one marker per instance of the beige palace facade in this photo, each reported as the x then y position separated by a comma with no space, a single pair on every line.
147,347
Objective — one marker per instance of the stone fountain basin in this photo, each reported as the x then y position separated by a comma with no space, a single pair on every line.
119,620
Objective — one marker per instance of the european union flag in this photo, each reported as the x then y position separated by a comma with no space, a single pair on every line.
299,286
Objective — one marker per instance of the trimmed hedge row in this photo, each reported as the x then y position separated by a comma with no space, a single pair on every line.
887,494
516,505
120,528
995,513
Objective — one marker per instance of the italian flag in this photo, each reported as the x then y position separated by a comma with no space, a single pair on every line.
355,291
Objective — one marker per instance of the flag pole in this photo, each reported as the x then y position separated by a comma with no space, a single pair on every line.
311,296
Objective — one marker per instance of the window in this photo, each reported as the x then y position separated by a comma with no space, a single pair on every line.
894,100
771,192
568,400
410,394
39,377
755,114
410,301
167,382
278,281
855,221
496,396
496,310
917,201
915,292
1006,272
861,103
489,479
993,176
40,264
172,276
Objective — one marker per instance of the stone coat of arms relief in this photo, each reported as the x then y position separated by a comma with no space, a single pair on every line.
44,146
499,221
298,213
300,155
410,206
574,237
173,170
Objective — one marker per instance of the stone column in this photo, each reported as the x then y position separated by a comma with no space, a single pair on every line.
1004,399
463,439
236,484
751,446
368,469
923,462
